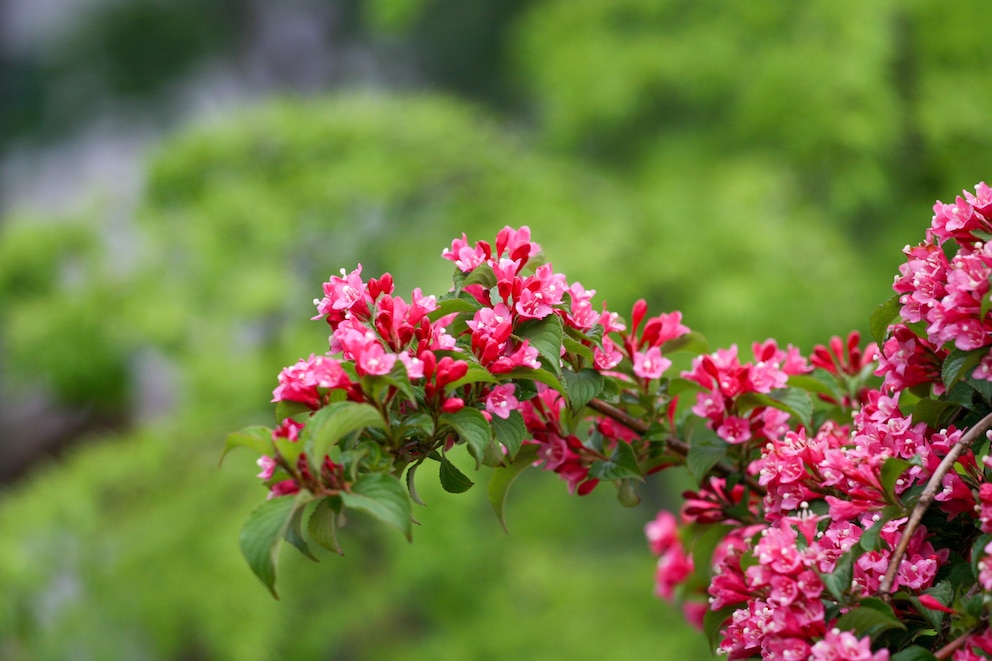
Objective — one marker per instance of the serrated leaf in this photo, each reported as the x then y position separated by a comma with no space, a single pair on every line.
870,617
335,421
577,348
884,315
473,428
503,478
256,438
983,388
913,653
706,449
511,432
545,335
959,364
582,386
481,275
322,524
795,402
622,464
452,479
383,497
294,534
261,535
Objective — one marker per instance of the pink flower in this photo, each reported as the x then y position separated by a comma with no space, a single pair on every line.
734,430
500,400
268,466
674,567
373,359
342,293
284,488
662,533
532,305
840,645
608,357
650,364
465,257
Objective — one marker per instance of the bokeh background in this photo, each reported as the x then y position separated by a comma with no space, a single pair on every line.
178,177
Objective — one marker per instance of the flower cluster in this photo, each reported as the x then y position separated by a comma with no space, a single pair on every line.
879,502
844,501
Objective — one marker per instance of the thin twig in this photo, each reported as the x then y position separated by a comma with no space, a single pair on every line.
948,650
929,493
679,447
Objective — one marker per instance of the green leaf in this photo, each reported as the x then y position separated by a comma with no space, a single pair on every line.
622,464
475,374
577,348
884,314
913,653
627,493
539,375
934,412
706,449
959,364
838,581
383,497
261,534
502,479
813,384
295,410
582,386
978,552
452,479
257,438
870,617
871,539
713,622
545,335
511,432
294,534
692,342
411,486
481,275
322,523
795,402
472,427
892,469
448,305
335,421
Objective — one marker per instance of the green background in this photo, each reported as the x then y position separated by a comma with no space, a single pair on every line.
757,165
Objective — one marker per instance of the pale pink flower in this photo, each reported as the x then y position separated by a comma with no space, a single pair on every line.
650,364
840,645
500,400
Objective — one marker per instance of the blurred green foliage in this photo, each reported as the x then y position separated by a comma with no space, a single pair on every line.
757,165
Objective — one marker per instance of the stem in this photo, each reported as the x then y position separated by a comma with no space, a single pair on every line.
948,650
677,446
929,493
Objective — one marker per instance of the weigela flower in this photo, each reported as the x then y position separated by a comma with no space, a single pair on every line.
501,402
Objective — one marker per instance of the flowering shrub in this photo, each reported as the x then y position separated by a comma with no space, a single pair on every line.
844,500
